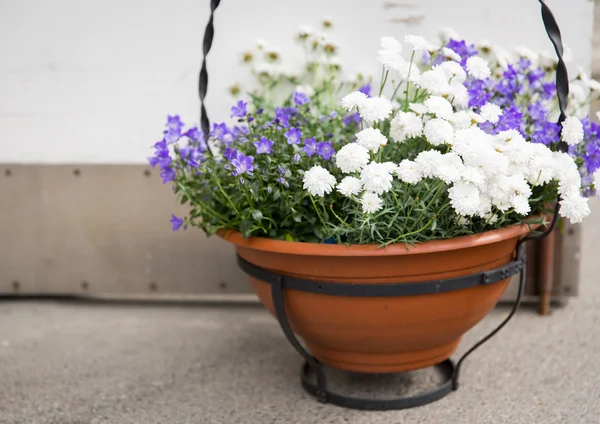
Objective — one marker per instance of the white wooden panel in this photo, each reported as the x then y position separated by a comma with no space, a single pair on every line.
85,81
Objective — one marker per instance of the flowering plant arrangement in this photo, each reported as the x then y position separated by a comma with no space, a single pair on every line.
456,139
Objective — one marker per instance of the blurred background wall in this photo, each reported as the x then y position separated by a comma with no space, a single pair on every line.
85,88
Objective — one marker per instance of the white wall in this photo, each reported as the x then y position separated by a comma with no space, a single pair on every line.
92,81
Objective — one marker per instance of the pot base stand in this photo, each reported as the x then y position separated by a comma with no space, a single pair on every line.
313,377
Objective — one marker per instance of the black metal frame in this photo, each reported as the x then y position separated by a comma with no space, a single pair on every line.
448,368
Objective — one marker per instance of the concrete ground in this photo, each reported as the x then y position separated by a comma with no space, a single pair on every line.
83,363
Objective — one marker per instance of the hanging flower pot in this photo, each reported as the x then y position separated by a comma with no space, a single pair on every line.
381,332
380,224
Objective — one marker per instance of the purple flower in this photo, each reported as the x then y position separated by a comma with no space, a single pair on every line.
535,77
300,98
264,145
260,111
352,118
333,114
549,90
172,135
219,131
293,136
198,136
161,157
296,157
478,92
366,89
310,146
167,174
191,156
230,153
176,222
239,110
281,169
325,150
282,117
174,123
511,119
243,164
537,112
523,63
463,49
545,133
283,182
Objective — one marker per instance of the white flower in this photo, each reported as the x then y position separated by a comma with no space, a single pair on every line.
575,208
438,131
450,54
318,181
491,218
572,131
304,31
419,43
567,173
434,81
353,100
461,120
349,186
394,61
459,95
390,166
590,83
410,172
474,176
405,125
390,43
527,53
375,109
428,160
352,157
464,198
490,112
597,182
521,204
371,139
371,203
420,108
453,71
541,169
376,178
439,107
578,93
449,168
478,67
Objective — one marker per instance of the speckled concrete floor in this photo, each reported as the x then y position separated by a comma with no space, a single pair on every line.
72,363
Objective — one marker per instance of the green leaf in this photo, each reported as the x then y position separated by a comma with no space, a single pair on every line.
297,217
434,225
246,227
256,214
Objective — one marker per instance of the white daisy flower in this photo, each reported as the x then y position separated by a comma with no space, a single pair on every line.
448,33
428,160
521,205
405,125
453,71
491,218
461,120
434,81
474,176
351,158
439,107
318,181
575,208
376,178
572,131
419,43
478,67
349,186
375,109
490,112
438,131
449,168
353,100
393,61
410,172
577,92
371,139
450,54
306,89
420,108
567,173
371,203
392,44
459,95
464,198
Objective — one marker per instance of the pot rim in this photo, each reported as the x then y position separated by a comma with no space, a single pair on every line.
323,249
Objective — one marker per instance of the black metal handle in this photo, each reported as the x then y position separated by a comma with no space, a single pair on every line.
209,33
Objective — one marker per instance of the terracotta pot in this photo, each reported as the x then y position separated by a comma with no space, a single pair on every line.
383,334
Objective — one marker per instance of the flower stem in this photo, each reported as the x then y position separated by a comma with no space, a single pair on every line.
412,56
